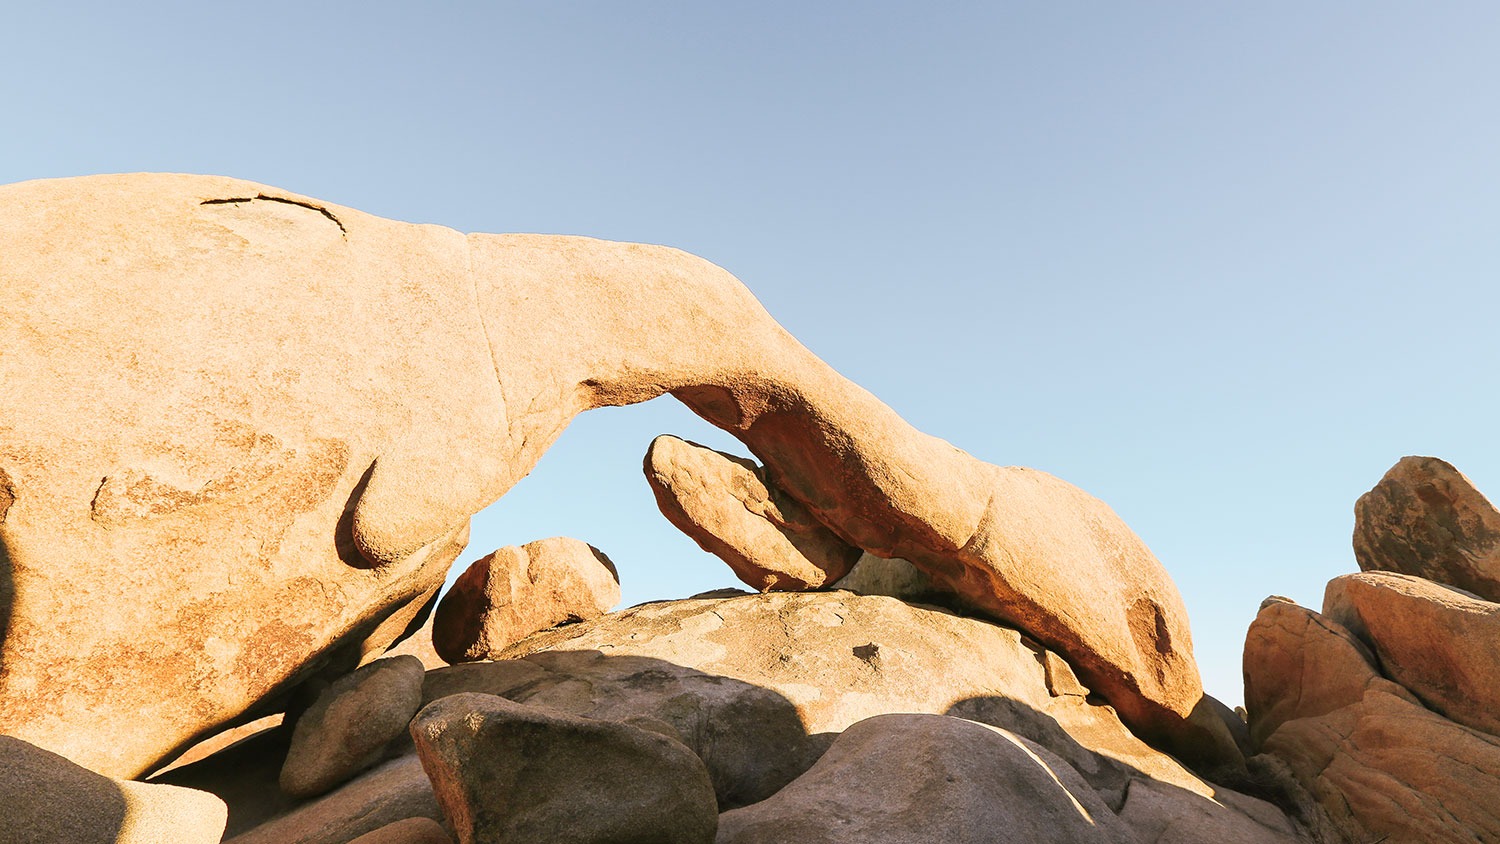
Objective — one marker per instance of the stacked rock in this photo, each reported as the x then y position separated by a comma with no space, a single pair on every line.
1383,707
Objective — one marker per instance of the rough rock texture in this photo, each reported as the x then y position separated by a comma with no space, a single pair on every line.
755,684
394,791
46,799
254,474
929,779
348,726
519,590
505,772
419,644
1440,644
409,831
724,503
1383,767
1425,518
1158,813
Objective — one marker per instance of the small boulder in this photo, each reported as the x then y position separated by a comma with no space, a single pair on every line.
348,726
519,590
1439,643
504,772
47,799
1426,519
729,508
929,779
895,578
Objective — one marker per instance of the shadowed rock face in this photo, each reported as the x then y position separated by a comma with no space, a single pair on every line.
230,417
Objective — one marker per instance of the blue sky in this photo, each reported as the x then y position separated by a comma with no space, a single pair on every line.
1220,267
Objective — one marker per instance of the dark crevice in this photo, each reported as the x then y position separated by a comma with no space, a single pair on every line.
235,200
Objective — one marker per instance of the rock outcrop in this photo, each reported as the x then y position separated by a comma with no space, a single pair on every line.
255,472
518,590
507,772
1438,643
757,685
1381,765
348,726
724,503
1425,518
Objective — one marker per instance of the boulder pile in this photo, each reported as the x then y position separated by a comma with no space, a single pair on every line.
1381,709
220,567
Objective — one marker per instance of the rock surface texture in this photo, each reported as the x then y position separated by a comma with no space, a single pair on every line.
724,503
349,725
1440,644
254,472
1424,518
930,779
519,590
1381,765
504,772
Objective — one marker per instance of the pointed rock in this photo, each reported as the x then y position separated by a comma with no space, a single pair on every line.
519,590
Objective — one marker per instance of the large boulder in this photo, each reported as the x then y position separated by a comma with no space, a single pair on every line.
519,590
1426,519
46,799
1442,645
724,503
758,684
1158,813
243,447
347,728
930,779
505,773
1382,766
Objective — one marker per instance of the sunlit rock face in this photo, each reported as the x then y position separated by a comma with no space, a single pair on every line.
243,431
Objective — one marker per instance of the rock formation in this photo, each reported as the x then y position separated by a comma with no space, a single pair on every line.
1381,708
724,503
255,473
517,591
241,502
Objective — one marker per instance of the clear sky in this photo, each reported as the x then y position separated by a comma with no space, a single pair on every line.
1219,265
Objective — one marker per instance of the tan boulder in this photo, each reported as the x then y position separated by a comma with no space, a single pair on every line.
724,503
1442,645
347,728
519,590
1426,519
756,684
896,578
265,470
1381,766
507,772
929,779
46,799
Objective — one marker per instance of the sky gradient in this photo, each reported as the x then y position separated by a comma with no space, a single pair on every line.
1220,267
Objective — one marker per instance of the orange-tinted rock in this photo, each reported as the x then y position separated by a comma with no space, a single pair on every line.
519,590
724,503
393,791
270,419
1426,519
1440,644
1382,766
409,831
